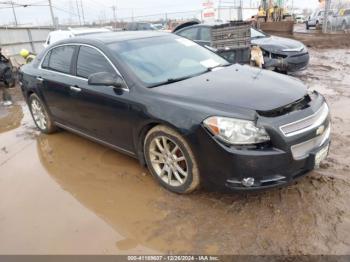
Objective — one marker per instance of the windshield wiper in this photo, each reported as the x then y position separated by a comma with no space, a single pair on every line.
217,66
171,80
174,80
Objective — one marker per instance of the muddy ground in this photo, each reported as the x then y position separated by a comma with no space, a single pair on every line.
62,194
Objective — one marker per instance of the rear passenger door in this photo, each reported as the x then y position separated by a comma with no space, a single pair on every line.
101,111
55,80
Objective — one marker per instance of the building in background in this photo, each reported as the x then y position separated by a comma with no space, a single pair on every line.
228,10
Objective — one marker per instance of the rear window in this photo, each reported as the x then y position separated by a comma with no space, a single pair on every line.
59,59
205,34
190,33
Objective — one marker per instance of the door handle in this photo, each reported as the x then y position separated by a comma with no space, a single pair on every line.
75,89
40,79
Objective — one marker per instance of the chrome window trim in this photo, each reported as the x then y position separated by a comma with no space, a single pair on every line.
78,77
317,122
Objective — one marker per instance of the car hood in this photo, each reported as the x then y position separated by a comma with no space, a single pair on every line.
237,86
277,44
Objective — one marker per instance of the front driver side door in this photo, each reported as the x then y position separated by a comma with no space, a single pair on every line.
101,111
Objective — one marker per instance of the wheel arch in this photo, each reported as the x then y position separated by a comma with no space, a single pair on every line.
142,133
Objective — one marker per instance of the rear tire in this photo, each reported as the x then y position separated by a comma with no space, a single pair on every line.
41,116
171,161
307,26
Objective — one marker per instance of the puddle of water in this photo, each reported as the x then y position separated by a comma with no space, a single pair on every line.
10,117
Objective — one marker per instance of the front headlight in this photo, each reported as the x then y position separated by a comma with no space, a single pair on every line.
236,131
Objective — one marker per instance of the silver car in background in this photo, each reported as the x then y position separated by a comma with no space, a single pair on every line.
339,20
316,19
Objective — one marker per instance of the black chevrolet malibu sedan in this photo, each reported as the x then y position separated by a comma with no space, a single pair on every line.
186,113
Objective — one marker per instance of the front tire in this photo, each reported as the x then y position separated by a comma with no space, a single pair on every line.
41,117
171,160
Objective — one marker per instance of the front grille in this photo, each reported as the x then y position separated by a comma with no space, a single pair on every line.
307,123
302,150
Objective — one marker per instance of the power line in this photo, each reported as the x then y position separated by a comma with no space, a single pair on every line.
65,11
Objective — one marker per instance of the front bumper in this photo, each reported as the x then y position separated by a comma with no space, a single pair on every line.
291,63
271,165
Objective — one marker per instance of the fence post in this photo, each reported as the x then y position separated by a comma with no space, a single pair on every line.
31,40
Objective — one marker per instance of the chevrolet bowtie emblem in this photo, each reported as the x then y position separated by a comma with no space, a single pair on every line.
320,130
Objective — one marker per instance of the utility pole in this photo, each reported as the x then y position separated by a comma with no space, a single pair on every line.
52,15
14,13
114,9
327,8
82,11
76,1
240,11
70,6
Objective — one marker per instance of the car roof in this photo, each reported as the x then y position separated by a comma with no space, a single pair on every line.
193,24
111,37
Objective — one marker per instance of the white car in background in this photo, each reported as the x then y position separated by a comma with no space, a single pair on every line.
59,35
300,19
316,19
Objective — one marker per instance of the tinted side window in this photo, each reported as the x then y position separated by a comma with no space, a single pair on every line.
61,58
45,63
205,34
91,61
190,33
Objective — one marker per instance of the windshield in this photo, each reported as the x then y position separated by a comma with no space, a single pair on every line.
257,34
165,59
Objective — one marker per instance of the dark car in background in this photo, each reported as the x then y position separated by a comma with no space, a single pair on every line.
280,54
140,26
185,112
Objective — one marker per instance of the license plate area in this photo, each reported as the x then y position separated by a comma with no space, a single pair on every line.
321,155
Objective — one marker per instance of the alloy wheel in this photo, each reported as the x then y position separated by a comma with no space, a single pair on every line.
39,114
168,161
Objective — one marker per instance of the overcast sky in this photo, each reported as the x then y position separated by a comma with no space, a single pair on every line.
66,10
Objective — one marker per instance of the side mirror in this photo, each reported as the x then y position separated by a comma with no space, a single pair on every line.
106,79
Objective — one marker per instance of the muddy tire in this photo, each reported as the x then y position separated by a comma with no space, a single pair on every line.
41,116
171,160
